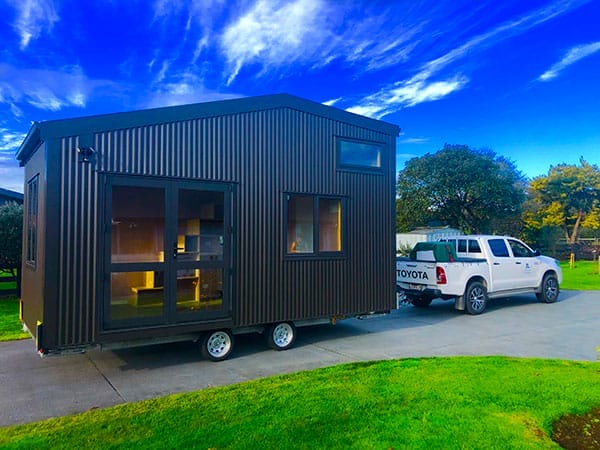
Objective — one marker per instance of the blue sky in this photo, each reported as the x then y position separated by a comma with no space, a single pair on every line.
518,77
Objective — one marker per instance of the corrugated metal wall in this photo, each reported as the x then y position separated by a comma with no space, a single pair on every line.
78,268
265,154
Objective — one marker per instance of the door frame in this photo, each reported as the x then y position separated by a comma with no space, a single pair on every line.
171,188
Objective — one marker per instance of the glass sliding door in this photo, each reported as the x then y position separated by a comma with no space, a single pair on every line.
167,252
137,235
200,258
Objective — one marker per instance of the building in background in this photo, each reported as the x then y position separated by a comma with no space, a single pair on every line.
426,234
7,195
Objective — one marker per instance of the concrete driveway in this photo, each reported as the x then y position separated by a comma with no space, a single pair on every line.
34,388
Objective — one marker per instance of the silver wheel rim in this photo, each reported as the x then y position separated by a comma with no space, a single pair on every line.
218,344
551,288
477,299
283,335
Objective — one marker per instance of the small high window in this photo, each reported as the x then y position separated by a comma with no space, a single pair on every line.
314,225
359,155
32,215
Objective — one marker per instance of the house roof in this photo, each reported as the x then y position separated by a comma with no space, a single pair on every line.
43,131
6,193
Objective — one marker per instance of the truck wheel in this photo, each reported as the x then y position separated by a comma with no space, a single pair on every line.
476,298
281,336
217,345
420,302
550,289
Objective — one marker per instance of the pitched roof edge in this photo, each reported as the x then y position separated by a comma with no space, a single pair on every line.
52,129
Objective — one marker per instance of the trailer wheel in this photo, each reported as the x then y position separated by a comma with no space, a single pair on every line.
281,336
476,298
420,302
217,345
550,289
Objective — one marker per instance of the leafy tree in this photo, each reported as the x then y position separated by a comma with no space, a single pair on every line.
567,198
11,238
473,190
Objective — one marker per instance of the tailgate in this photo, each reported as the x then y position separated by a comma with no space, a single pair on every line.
415,274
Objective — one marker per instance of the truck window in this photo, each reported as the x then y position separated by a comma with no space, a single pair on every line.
498,248
474,246
519,250
462,245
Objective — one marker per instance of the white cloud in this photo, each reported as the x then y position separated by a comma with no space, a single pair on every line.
273,33
405,94
50,90
571,57
413,141
33,18
332,102
9,142
185,89
419,88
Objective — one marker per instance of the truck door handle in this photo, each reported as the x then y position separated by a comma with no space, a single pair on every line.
496,264
518,262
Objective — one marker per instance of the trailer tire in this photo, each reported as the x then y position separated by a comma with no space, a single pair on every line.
549,289
281,336
217,345
476,298
420,302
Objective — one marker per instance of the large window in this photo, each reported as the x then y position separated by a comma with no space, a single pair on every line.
32,214
359,155
314,225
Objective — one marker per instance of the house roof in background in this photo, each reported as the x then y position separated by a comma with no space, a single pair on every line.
11,194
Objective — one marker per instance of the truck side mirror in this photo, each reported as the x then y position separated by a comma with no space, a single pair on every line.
536,253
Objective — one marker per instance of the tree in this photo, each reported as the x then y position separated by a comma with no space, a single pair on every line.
473,190
567,198
11,238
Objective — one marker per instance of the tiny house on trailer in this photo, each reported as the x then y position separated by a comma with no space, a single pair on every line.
203,221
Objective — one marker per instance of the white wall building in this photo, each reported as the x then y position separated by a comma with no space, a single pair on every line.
425,234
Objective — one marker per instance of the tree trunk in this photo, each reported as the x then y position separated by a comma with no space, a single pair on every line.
575,232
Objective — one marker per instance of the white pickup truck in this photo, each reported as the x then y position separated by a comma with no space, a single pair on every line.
473,269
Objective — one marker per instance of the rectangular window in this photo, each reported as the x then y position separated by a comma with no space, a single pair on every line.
32,215
498,248
300,224
359,155
474,246
314,225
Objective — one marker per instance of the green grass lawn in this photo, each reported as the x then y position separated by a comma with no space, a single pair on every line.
10,325
583,277
7,285
483,402
463,402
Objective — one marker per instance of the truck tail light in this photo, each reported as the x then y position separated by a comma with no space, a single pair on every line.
440,275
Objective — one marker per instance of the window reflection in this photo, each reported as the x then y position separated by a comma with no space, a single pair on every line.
300,224
330,226
136,294
138,223
200,225
199,289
